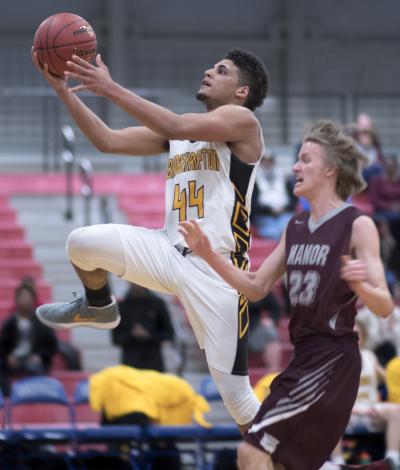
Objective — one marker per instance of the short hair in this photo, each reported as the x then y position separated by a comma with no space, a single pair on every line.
251,73
25,287
342,154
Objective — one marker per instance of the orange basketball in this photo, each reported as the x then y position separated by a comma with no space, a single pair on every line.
59,37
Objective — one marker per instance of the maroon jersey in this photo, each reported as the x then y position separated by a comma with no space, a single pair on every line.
321,302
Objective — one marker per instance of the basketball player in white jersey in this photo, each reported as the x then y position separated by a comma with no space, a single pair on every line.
210,176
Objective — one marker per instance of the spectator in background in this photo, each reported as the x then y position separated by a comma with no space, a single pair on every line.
382,335
369,412
272,201
26,346
369,145
390,254
263,335
30,281
384,193
145,324
125,395
393,380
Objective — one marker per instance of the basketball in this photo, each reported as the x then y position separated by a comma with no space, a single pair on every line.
59,37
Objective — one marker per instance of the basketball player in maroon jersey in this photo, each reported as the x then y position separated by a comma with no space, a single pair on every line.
330,255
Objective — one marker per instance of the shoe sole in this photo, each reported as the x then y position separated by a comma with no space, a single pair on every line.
68,326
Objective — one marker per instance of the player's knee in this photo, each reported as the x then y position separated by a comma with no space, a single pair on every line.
78,245
242,456
249,457
241,403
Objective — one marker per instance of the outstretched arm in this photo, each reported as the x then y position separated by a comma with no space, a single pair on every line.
253,285
129,141
228,123
365,274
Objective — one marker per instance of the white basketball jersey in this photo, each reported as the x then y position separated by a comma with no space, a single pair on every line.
208,183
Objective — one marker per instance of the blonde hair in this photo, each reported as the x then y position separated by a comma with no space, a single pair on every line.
342,154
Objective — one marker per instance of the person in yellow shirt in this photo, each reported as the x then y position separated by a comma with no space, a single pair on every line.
262,387
128,396
393,380
119,392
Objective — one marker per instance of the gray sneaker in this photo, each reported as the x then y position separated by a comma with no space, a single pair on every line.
77,313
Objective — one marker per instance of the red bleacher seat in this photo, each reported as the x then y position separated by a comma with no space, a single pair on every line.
11,230
36,401
6,306
70,378
39,414
7,215
259,250
18,268
145,221
10,248
130,202
8,286
257,373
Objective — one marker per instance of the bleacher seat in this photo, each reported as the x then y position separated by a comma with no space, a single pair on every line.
70,379
11,230
10,248
209,390
38,401
84,415
18,268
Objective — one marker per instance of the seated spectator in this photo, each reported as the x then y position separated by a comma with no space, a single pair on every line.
380,333
164,399
390,254
125,395
263,386
393,380
263,335
272,202
369,412
145,324
369,145
384,193
26,345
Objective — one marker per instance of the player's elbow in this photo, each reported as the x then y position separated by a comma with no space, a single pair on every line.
107,144
102,147
385,308
255,293
387,311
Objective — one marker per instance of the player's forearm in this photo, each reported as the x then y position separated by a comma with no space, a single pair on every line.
376,298
243,281
155,117
87,121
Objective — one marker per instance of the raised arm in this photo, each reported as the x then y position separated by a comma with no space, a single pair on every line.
129,141
227,123
253,285
365,273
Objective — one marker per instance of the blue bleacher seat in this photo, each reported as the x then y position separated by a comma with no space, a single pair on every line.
81,393
83,413
209,390
38,400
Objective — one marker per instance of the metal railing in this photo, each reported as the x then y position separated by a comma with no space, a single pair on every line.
31,119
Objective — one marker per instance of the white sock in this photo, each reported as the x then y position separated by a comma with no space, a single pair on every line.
394,455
